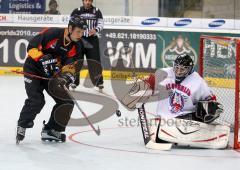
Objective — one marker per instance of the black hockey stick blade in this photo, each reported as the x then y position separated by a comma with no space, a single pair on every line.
98,132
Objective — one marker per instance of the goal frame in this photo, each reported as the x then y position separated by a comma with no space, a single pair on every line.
227,39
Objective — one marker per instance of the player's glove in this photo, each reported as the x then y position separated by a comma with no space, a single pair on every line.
208,111
76,82
66,79
49,65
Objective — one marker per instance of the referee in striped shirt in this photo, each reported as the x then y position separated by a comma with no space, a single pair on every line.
95,23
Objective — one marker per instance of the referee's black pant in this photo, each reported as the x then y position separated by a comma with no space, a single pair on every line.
92,52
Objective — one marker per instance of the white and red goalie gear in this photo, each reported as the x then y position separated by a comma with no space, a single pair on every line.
139,92
193,133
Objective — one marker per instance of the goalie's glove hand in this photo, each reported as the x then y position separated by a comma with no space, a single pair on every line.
49,64
139,93
66,79
208,111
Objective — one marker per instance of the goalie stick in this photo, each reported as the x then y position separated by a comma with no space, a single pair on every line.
143,121
146,133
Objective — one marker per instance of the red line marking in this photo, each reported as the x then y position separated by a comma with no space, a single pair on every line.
160,153
211,139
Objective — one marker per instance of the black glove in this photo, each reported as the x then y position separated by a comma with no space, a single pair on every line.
66,79
76,82
49,65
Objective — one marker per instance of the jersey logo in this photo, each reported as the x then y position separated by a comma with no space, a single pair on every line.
88,16
177,101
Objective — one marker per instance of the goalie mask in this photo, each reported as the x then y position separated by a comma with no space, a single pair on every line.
183,66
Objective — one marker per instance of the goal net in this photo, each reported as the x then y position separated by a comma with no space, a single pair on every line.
219,66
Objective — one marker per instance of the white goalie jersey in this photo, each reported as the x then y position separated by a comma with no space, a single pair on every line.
182,98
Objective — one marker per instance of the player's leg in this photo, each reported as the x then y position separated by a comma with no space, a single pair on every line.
60,114
79,66
33,104
94,62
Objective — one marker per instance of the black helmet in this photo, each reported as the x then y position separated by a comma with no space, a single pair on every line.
77,21
183,66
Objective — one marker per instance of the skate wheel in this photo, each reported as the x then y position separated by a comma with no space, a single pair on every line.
45,140
118,113
17,142
63,138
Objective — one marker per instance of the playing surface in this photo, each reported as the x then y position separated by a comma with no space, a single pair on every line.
120,145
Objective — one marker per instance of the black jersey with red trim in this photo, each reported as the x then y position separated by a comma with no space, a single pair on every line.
52,41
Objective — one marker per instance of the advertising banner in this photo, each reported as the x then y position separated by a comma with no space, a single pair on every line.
13,44
150,21
118,20
142,50
237,24
135,49
184,23
22,6
218,23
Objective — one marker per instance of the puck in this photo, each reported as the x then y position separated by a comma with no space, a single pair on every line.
118,113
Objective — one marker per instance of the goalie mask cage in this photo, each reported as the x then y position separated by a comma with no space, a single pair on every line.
219,66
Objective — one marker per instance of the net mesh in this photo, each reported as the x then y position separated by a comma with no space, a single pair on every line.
219,70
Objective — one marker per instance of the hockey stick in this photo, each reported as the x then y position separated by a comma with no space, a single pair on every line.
65,88
146,133
26,74
144,124
97,131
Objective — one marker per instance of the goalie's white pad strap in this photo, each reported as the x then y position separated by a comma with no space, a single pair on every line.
193,133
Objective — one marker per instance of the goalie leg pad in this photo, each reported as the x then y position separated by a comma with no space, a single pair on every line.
194,134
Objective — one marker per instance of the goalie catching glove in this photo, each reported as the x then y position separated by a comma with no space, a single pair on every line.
139,92
208,111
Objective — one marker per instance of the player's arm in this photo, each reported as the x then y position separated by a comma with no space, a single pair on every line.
100,22
70,68
143,89
35,46
207,107
38,42
75,12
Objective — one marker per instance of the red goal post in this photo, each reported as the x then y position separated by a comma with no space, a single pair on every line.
219,65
